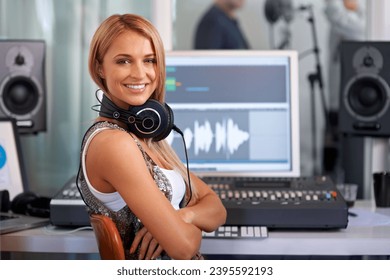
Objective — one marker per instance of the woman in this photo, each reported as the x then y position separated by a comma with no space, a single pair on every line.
123,175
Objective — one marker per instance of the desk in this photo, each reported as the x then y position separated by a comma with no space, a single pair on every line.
367,234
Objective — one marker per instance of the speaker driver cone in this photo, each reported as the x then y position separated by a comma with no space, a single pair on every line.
20,96
366,98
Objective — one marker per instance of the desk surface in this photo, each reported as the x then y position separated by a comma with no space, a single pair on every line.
367,234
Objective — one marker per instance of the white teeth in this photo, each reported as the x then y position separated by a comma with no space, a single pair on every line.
136,86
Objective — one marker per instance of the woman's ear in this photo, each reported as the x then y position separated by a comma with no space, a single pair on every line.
100,72
99,69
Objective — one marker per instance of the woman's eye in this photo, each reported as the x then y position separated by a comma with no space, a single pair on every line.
123,61
151,60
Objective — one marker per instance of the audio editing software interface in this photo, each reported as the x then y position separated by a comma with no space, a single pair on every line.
234,110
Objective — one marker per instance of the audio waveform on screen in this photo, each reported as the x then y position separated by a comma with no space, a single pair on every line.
227,137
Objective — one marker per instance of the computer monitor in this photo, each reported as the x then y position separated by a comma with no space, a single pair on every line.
238,111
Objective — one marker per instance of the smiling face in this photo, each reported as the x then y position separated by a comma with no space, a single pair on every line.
129,69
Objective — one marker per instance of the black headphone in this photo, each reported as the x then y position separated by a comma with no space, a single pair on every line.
150,120
28,203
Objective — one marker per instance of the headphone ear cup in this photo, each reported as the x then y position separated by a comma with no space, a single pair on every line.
39,207
155,120
20,202
168,125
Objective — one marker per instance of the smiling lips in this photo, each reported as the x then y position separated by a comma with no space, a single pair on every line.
136,87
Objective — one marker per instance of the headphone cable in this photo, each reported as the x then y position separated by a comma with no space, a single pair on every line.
178,130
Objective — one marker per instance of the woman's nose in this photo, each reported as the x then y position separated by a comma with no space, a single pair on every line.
137,71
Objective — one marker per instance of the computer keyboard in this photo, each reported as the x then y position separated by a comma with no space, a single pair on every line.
238,232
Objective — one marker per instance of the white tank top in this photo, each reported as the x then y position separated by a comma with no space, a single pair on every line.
115,202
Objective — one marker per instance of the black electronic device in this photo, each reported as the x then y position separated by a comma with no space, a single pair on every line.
296,203
275,9
150,120
67,207
22,84
365,88
278,203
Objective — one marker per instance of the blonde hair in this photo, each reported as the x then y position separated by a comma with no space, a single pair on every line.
106,33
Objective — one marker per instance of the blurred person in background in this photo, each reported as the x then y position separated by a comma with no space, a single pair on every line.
219,27
347,22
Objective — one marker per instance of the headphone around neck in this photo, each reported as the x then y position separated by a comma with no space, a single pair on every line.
151,120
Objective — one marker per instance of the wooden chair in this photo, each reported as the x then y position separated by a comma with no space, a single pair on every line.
107,237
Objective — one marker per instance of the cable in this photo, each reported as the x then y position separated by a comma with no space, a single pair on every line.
54,230
175,128
93,107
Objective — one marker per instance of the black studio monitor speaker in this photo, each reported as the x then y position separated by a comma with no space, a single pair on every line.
365,88
22,84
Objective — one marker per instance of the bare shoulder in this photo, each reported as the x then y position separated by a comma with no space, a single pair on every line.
111,140
112,153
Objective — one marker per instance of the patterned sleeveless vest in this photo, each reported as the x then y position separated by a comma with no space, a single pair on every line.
127,223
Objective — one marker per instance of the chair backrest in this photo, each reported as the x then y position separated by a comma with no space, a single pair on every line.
107,237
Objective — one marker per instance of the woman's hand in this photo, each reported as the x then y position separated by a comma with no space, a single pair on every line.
149,249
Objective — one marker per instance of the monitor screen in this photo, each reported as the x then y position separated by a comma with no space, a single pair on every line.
238,111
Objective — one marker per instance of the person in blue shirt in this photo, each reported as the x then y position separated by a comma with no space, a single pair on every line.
219,28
